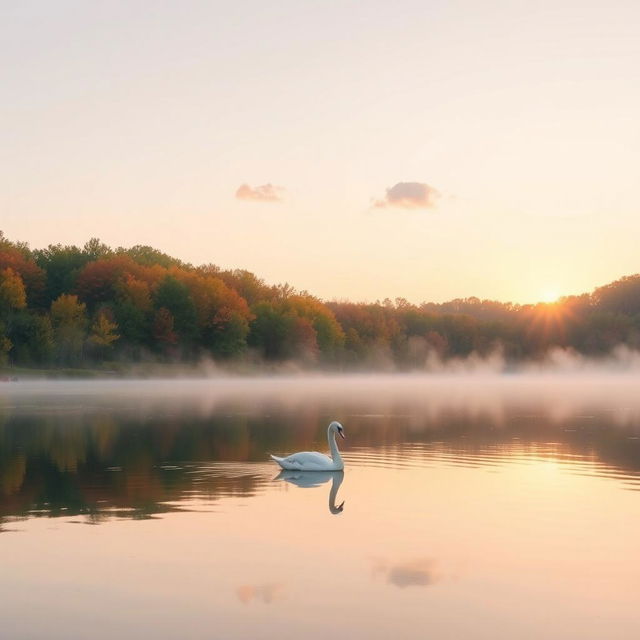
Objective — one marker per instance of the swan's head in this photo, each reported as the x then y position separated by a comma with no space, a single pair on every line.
337,428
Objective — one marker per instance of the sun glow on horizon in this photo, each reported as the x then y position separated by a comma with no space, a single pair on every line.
549,296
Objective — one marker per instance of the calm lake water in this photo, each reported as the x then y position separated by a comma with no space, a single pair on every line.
470,507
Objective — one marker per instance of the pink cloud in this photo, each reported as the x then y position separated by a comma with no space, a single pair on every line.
263,193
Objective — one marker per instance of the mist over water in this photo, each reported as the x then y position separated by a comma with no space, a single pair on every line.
551,392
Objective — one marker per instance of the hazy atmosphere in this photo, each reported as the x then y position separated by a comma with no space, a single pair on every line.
319,319
424,150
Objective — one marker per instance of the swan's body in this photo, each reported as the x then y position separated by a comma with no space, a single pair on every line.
314,461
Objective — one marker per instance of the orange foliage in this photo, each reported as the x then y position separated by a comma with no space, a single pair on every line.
32,275
216,304
135,291
12,291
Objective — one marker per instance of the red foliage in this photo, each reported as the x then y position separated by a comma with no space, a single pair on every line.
98,281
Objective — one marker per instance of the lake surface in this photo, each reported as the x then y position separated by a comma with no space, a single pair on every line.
470,507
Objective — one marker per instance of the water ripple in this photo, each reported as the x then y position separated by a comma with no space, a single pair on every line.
414,456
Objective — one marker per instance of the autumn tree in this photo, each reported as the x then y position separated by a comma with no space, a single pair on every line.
12,291
222,315
97,281
22,264
69,320
103,333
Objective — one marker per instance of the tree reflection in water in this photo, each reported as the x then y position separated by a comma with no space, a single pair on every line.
139,458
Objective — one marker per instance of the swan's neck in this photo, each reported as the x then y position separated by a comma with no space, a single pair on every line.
336,481
335,454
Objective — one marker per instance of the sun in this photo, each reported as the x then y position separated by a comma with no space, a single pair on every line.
549,296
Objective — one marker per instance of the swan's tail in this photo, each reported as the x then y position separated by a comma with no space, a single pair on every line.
276,459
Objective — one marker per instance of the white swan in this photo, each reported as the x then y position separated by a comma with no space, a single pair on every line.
314,461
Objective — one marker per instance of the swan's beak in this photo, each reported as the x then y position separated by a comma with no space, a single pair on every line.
342,434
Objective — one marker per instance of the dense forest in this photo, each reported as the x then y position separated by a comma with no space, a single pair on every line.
66,306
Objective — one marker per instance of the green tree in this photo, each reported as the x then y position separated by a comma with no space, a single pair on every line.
164,336
280,334
62,264
32,335
269,331
148,256
5,345
173,296
95,250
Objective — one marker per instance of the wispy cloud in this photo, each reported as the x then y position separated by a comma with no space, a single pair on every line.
262,193
409,195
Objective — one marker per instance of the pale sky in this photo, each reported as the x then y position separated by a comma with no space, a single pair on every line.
137,122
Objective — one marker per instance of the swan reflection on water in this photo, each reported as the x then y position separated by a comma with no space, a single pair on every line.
309,479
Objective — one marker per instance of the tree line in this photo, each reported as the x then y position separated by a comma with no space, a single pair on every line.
69,306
